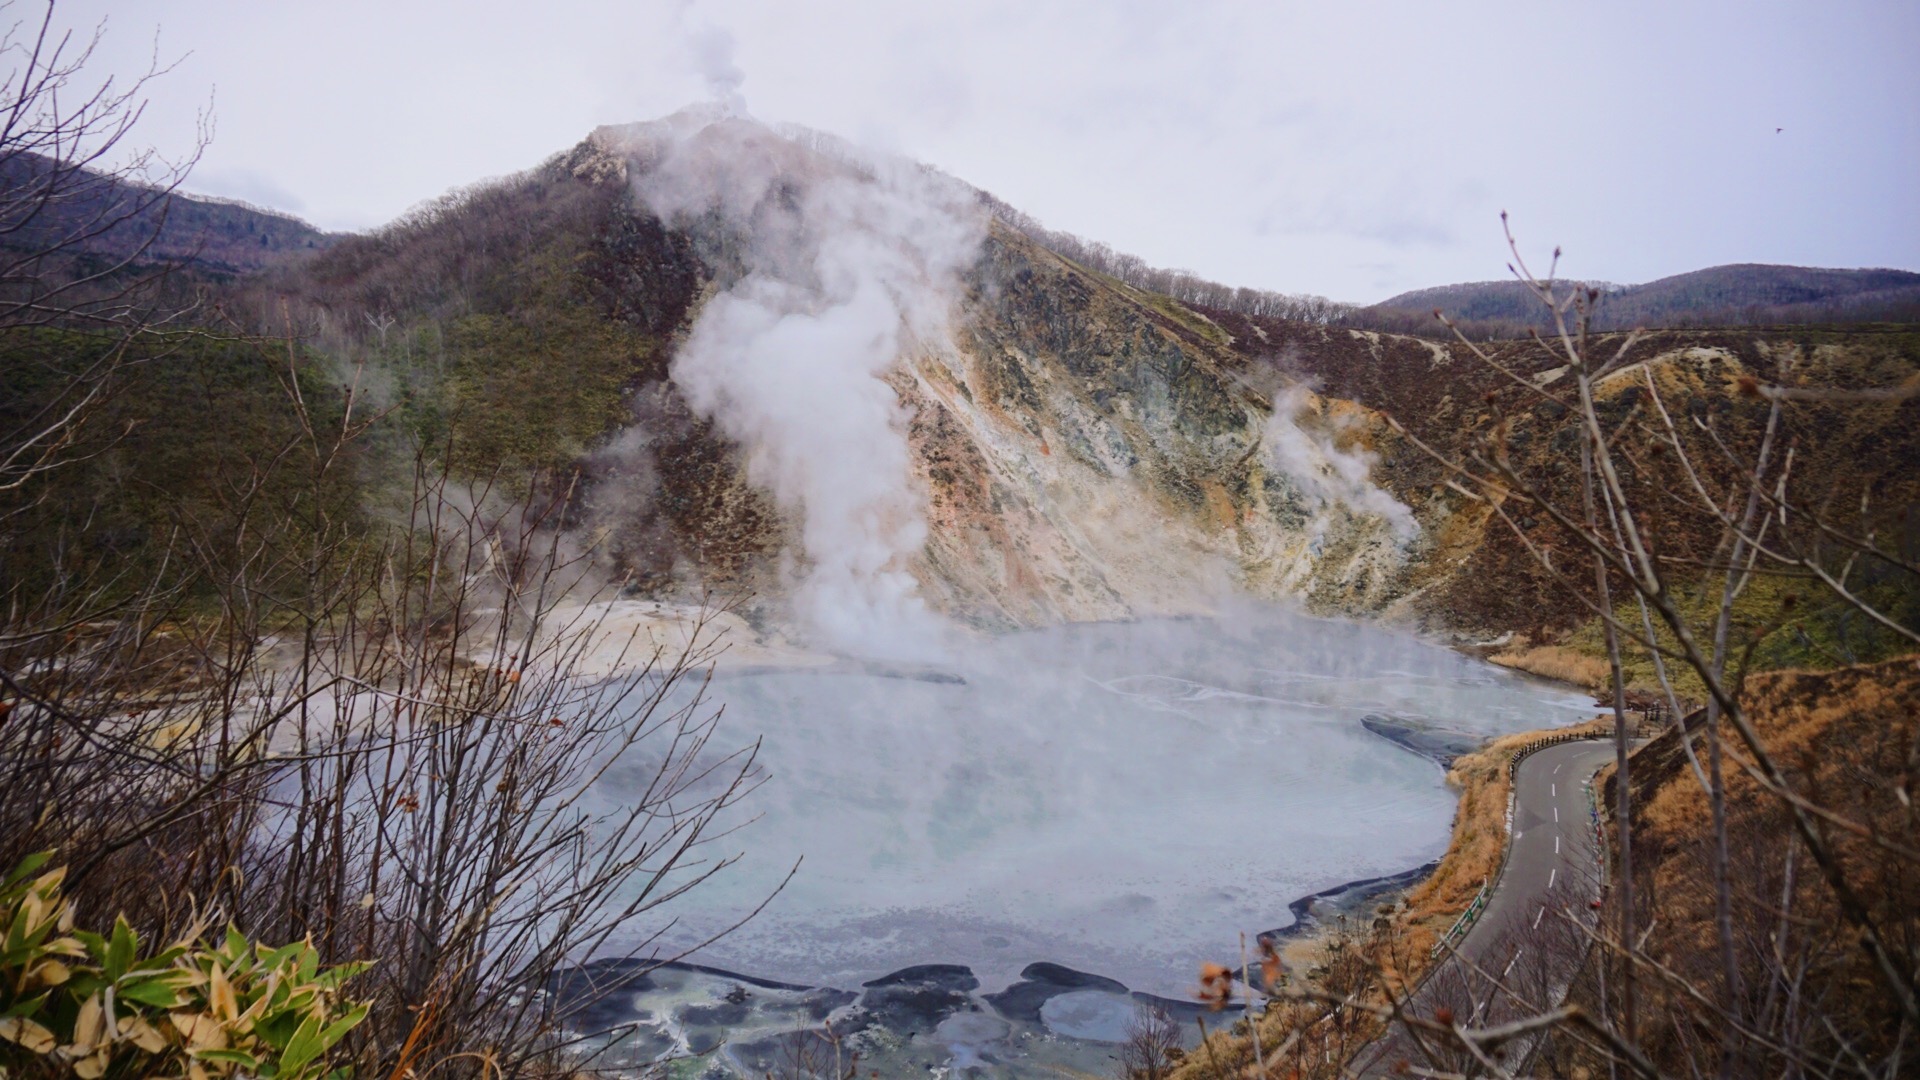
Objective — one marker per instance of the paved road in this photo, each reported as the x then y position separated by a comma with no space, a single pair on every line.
1554,866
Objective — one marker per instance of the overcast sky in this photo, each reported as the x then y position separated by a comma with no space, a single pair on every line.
1351,149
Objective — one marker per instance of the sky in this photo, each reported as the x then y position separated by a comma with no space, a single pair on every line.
1354,149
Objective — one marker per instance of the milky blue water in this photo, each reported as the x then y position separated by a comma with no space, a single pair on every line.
1124,799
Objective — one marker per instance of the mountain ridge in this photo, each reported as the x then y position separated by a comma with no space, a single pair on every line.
1086,449
1734,294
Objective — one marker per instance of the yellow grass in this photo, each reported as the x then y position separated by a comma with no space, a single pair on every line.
1558,662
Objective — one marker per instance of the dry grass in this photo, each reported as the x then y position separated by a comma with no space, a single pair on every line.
1558,662
1845,740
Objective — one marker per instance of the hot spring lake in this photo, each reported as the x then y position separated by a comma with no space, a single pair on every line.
1121,798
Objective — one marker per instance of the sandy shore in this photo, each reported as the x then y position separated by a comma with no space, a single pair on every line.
619,637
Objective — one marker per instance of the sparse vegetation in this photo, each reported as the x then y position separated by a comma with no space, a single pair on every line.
1672,532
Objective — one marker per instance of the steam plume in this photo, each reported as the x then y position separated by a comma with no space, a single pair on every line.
1327,475
832,269
712,52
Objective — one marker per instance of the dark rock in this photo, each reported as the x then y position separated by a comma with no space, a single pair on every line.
946,976
602,976
916,999
815,1004
598,995
764,984
719,1014
700,1042
1038,982
1430,742
1063,976
789,1053
640,1046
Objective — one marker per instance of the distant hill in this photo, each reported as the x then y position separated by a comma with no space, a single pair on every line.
219,237
1742,294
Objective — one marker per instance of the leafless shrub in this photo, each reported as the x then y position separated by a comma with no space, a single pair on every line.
1652,475
80,207
378,735
815,1055
1152,1046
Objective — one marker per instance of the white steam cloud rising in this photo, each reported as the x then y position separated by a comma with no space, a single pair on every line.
1327,475
839,268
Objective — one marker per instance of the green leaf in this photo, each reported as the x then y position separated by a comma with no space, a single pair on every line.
274,959
17,930
121,949
276,1029
27,1006
336,1030
231,1057
26,869
161,992
304,1046
96,945
333,977
236,944
162,960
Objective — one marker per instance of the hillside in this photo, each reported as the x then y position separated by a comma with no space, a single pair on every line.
1053,444
116,219
1085,449
1745,294
1847,735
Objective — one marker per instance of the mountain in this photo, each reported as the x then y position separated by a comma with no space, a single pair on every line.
1077,448
1742,294
682,314
98,216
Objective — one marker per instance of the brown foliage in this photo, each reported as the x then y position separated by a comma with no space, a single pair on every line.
1847,738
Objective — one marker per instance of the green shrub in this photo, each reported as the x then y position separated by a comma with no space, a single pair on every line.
77,1002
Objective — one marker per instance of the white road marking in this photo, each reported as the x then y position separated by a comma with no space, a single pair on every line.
1510,963
1537,918
1556,813
1550,876
1555,790
1556,770
1556,845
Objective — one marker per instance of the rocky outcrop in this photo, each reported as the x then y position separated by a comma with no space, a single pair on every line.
1089,454
1082,449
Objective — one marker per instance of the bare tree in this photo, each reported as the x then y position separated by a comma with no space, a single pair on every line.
1151,1048
81,208
369,721
1652,474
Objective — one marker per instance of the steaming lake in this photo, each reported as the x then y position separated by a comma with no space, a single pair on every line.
1124,799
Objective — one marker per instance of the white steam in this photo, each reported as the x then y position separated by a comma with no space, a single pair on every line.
711,49
837,269
1326,475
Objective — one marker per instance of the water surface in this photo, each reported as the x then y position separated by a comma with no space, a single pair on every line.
1124,799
